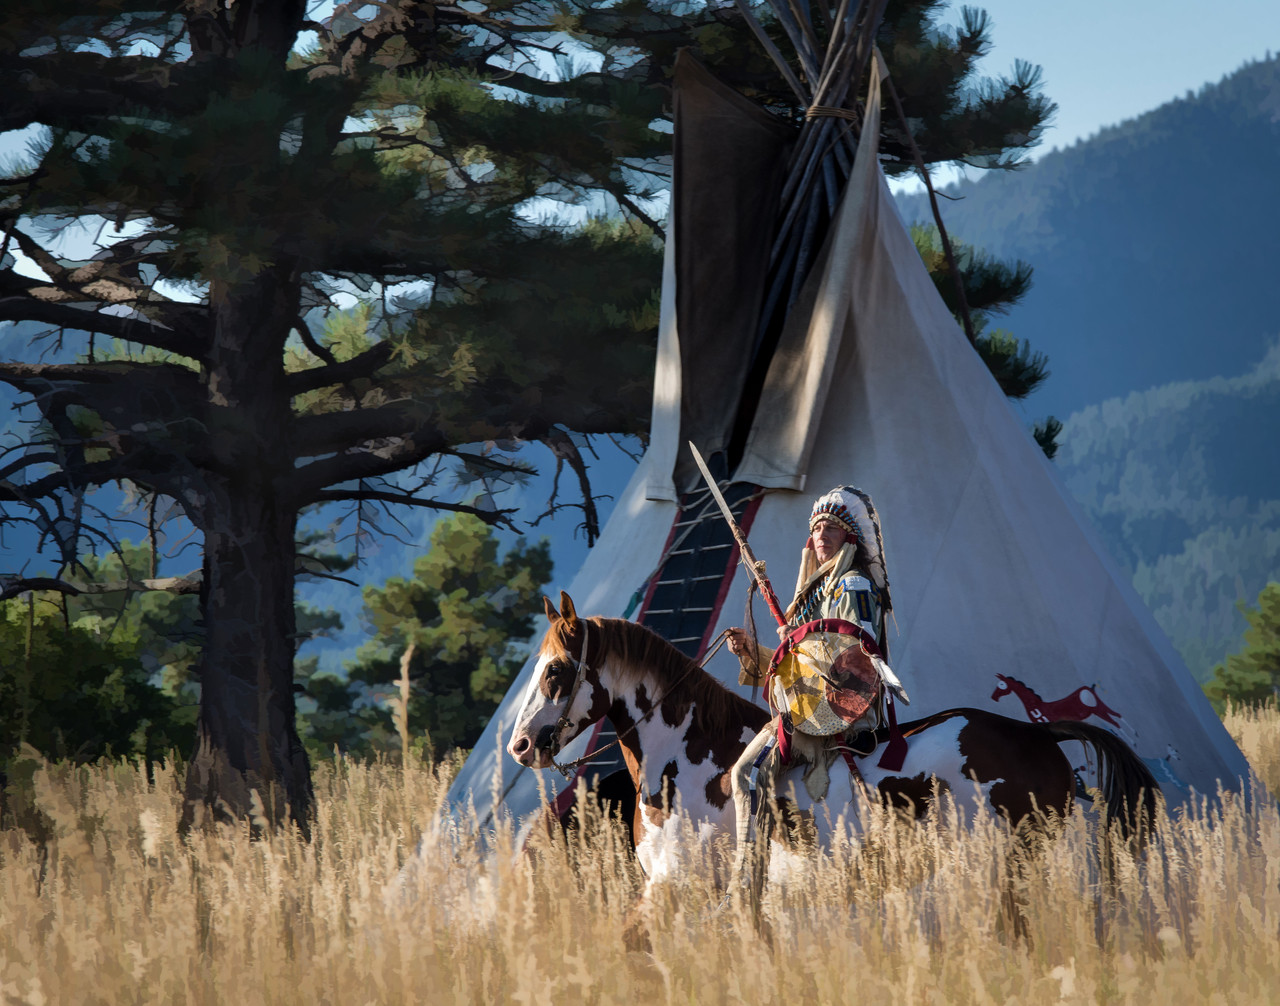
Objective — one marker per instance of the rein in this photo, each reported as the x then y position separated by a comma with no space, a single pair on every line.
566,768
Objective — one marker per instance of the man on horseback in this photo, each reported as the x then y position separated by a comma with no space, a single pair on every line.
842,588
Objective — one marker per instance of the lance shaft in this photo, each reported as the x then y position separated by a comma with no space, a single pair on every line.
748,557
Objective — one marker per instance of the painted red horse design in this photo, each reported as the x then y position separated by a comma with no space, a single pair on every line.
1078,706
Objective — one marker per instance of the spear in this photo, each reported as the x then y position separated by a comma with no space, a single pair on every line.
748,557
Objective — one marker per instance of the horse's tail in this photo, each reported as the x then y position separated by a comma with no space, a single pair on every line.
1128,787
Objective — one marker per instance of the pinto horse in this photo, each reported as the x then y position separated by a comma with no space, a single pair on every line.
680,732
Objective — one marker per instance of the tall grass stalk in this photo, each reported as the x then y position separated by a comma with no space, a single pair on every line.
1256,728
101,902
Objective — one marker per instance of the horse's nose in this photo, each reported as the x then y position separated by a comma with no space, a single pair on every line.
519,748
543,743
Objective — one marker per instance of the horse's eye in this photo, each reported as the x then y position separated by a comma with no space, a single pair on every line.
556,681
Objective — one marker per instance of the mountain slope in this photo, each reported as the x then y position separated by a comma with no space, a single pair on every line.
1183,484
1155,243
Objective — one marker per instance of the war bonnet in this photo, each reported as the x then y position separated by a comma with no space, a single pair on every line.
852,509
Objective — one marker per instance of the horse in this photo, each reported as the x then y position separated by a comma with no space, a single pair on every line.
680,732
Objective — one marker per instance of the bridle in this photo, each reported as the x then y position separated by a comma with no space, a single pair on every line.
566,768
580,667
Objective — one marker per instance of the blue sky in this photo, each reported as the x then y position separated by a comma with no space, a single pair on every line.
1106,61
1109,60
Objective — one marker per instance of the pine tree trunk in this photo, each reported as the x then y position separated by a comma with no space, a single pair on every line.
247,739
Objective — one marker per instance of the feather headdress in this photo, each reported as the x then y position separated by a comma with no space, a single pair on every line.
851,509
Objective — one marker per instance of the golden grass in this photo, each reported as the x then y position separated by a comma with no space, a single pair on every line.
1257,730
111,907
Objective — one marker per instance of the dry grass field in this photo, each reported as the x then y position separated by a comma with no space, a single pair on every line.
104,904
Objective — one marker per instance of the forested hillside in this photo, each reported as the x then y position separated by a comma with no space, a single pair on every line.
1155,243
1183,483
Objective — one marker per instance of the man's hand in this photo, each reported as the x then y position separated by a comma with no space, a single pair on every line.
738,640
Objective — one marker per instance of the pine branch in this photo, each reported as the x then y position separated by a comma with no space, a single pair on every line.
28,461
79,89
394,452
566,452
408,499
337,431
134,328
91,474
12,586
361,365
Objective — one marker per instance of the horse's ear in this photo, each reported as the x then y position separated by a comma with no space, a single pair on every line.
550,609
566,608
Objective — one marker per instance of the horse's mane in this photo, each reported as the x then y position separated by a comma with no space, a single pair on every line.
643,654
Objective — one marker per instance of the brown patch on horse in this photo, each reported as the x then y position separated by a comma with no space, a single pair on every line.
1031,774
679,684
719,790
643,702
600,698
912,794
659,806
723,746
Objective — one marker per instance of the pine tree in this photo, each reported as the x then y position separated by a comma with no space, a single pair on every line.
465,612
1253,674
77,685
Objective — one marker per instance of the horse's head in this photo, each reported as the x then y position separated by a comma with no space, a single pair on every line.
565,695
1003,687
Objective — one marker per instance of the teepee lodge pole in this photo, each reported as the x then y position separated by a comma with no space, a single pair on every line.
823,155
961,299
822,158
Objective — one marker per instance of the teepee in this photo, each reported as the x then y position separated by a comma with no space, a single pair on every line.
867,380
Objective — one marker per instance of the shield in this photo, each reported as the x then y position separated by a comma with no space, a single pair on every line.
824,674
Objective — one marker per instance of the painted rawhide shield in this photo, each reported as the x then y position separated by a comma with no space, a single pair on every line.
825,676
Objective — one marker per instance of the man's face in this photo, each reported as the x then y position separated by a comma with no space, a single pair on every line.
827,536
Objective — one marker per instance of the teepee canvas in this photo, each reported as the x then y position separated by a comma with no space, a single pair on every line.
1004,598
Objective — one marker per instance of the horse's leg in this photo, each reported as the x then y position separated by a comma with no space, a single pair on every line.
662,847
1036,790
741,781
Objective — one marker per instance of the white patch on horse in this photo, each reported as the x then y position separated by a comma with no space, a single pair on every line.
660,850
532,689
937,752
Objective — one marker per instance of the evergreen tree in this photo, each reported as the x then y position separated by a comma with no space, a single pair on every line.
249,186
164,623
77,686
465,612
249,170
1253,674
114,666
